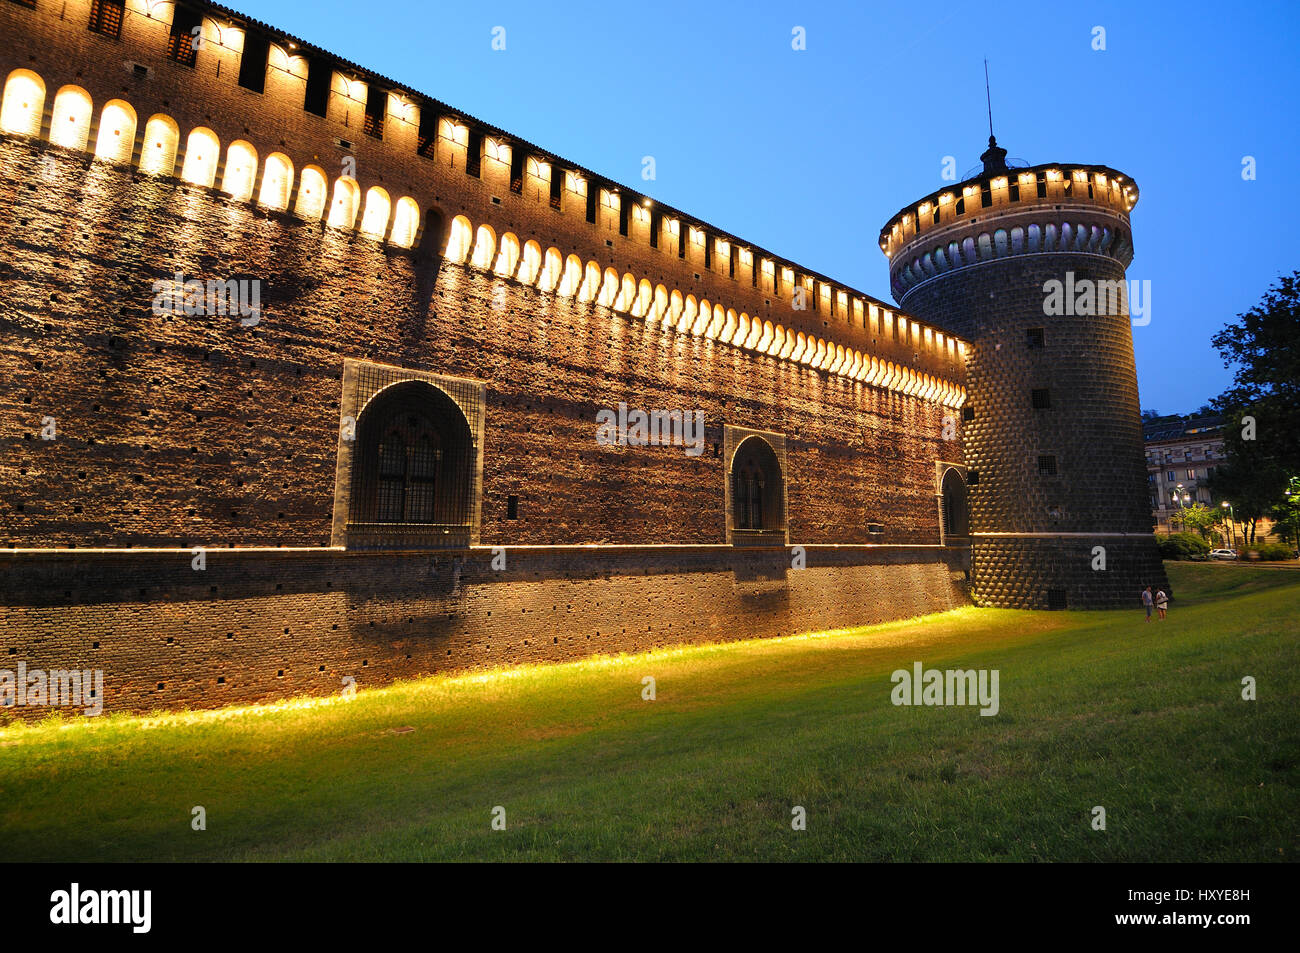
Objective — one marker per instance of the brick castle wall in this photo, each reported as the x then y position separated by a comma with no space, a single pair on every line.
262,625
182,431
56,44
176,430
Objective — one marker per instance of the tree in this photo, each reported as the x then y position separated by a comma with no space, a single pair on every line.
1151,414
1200,518
1286,515
1250,480
1262,407
1263,347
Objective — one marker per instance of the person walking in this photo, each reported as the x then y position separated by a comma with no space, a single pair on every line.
1162,603
1147,601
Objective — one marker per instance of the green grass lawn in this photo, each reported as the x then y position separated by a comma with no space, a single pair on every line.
1097,708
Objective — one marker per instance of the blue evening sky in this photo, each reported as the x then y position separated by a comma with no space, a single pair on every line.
809,153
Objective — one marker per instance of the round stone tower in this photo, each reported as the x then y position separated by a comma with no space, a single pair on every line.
1027,265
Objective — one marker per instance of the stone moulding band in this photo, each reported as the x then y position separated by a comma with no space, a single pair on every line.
486,549
1055,535
993,261
957,254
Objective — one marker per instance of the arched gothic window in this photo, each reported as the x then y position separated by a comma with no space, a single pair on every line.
414,464
750,483
956,520
757,490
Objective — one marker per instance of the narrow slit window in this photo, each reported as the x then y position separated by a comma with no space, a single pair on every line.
428,133
180,42
319,73
106,17
517,171
474,154
557,187
252,63
1041,398
376,107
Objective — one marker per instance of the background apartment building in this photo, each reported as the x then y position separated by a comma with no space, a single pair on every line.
1182,452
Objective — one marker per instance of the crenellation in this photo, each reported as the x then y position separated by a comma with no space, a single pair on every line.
289,66
1045,184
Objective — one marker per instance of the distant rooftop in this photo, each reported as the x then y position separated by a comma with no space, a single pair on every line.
1174,426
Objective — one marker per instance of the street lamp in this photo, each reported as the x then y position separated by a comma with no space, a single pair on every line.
1183,499
1295,517
1232,520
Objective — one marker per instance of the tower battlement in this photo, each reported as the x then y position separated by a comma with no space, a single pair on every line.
1050,207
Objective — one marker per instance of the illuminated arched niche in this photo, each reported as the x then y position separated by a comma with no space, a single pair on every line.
485,246
162,137
312,190
343,206
552,269
116,139
531,266
241,170
23,104
201,151
644,296
406,221
589,287
460,239
508,256
626,294
599,285
374,220
660,306
277,182
70,121
571,278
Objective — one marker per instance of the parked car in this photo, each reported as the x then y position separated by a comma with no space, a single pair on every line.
1223,554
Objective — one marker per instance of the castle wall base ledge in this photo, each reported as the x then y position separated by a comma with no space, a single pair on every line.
270,624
